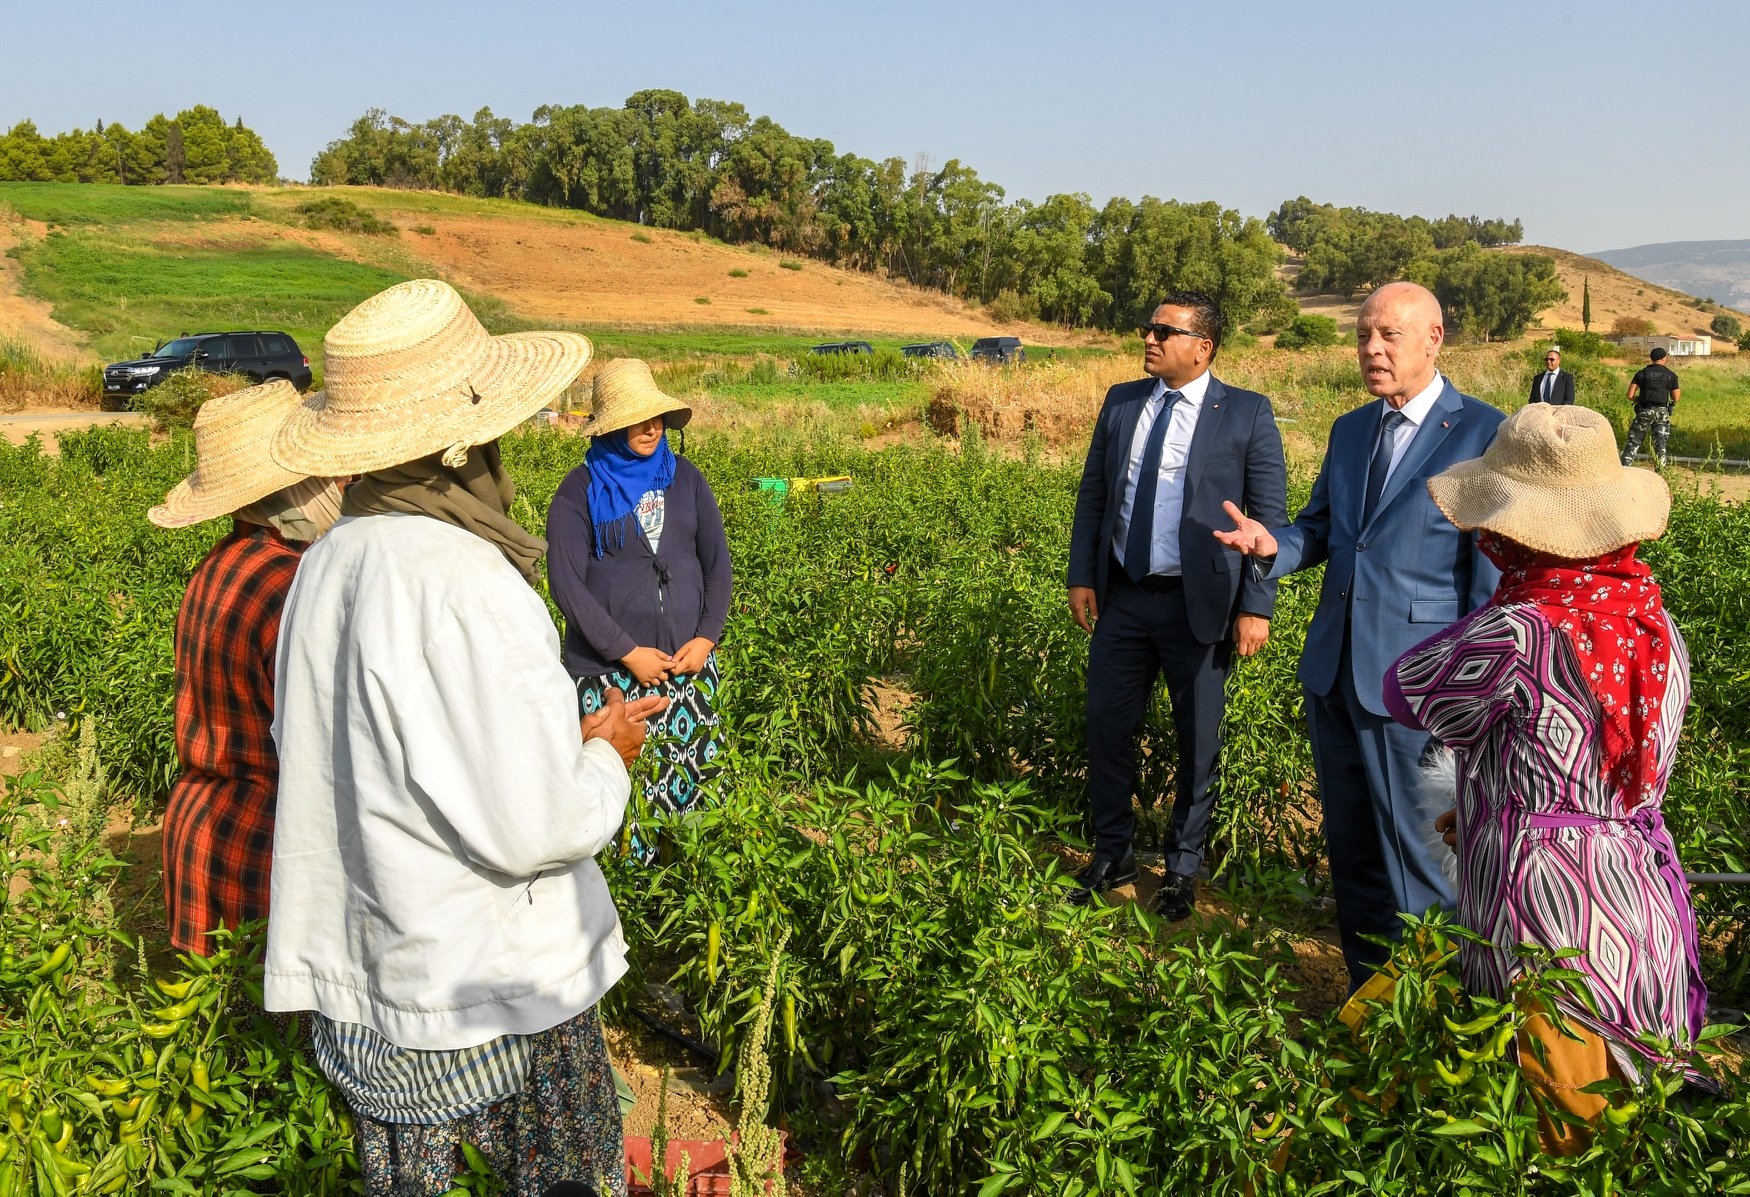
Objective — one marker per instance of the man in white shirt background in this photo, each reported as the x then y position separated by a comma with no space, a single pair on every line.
1158,594
1554,385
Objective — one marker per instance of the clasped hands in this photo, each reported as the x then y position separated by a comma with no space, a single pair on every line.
651,666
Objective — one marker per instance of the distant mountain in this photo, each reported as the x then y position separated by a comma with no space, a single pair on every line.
1717,270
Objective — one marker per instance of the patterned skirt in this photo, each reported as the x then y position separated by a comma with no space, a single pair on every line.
564,1125
681,754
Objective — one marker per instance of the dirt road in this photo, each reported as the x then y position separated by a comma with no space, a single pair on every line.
18,427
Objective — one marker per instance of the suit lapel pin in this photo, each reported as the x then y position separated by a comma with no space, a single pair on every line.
1444,424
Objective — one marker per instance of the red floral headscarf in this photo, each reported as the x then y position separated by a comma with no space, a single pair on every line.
1614,616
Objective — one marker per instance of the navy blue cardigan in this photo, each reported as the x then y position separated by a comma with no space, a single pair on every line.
631,597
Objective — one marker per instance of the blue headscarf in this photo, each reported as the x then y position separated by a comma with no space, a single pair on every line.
618,478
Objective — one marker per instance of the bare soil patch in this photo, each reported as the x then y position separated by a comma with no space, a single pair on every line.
594,272
28,321
14,749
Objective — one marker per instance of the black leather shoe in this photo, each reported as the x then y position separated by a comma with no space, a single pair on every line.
1102,875
1176,898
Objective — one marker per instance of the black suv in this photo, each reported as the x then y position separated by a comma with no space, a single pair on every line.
941,350
834,347
260,355
998,351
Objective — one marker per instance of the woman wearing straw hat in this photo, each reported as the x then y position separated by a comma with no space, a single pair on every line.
640,567
1562,700
436,901
218,828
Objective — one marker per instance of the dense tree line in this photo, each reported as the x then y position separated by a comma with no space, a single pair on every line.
1350,250
665,161
194,146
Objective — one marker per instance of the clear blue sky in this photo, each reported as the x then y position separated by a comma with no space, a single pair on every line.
1601,125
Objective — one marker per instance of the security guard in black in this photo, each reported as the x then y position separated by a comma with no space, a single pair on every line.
1653,390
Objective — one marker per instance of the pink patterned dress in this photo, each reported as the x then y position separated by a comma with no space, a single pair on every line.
1546,852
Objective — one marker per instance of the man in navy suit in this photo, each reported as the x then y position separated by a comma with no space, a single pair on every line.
1159,595
1396,571
1554,385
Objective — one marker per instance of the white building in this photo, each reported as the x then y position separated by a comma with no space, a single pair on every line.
1695,345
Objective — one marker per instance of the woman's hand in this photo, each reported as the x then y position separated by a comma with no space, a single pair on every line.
691,657
648,666
621,723
1447,826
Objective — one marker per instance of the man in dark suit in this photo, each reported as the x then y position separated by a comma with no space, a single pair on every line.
1159,595
1396,572
1554,385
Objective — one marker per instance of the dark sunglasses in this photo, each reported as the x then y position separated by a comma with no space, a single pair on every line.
1163,331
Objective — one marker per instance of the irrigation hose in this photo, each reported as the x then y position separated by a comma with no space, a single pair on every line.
702,1050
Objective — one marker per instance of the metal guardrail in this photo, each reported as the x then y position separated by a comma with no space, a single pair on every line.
1718,878
1724,463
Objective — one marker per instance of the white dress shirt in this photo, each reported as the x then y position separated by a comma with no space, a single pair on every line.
1415,411
1548,383
1163,555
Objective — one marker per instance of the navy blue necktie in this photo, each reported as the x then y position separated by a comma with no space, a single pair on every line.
1381,464
1139,541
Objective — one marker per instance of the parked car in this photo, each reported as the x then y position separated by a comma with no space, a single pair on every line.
832,347
998,351
259,355
941,350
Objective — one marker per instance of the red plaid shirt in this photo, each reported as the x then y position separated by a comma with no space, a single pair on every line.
218,828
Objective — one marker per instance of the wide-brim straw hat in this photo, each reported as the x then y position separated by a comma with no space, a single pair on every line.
626,394
233,467
410,372
1552,481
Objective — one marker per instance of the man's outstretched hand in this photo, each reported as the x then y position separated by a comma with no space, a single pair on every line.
1249,536
621,723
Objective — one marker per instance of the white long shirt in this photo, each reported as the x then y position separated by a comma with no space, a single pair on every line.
1164,556
438,812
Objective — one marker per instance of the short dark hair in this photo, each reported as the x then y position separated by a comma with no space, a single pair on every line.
1207,320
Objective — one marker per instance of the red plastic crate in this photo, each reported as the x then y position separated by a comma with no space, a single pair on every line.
707,1159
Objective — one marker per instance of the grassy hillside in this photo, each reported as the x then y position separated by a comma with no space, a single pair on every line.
1616,294
128,267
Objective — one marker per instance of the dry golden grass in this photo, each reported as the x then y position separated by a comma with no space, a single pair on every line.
1308,389
27,379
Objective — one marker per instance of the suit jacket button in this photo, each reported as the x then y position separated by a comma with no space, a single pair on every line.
1361,547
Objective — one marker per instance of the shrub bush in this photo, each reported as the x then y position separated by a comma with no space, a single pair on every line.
1308,331
1009,306
175,402
1274,316
1574,343
789,264
738,272
342,215
882,365
1632,326
1726,325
